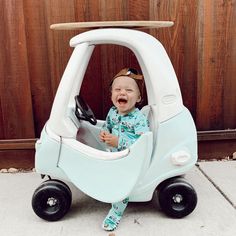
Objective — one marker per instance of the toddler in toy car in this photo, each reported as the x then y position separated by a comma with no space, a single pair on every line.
123,126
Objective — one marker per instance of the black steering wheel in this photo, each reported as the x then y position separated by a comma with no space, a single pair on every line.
83,111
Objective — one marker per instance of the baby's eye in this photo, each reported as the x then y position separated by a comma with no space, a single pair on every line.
129,90
117,89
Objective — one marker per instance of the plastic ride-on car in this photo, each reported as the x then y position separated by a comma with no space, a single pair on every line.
69,148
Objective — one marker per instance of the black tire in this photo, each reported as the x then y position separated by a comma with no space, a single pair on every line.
51,200
177,198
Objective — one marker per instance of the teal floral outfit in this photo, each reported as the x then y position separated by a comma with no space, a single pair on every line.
128,128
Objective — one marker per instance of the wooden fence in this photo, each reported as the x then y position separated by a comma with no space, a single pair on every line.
201,46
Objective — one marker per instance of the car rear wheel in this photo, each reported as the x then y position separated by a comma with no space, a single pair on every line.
176,197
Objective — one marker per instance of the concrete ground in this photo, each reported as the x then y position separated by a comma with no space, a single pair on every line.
214,215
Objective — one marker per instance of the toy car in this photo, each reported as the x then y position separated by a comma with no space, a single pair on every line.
69,148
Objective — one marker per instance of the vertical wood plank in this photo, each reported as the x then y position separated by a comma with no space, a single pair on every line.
15,92
59,50
1,116
205,61
39,67
229,67
188,75
212,62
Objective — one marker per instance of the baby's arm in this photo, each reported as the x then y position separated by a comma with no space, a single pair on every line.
105,128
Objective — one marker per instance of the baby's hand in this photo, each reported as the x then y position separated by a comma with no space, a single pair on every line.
102,135
111,140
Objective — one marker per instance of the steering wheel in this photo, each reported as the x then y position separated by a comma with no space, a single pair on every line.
83,111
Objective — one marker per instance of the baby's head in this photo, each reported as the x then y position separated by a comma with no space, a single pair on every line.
126,89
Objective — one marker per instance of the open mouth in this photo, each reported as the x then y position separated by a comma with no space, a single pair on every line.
122,101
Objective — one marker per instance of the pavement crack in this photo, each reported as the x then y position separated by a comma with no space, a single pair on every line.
216,186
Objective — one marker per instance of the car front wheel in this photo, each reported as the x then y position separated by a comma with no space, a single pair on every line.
51,200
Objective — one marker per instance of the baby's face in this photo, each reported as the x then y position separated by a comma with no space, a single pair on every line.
125,94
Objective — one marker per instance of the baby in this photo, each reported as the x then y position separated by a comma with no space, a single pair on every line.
123,126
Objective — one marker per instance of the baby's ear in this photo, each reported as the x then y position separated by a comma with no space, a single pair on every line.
139,99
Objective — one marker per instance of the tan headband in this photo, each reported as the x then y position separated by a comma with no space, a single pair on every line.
132,73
